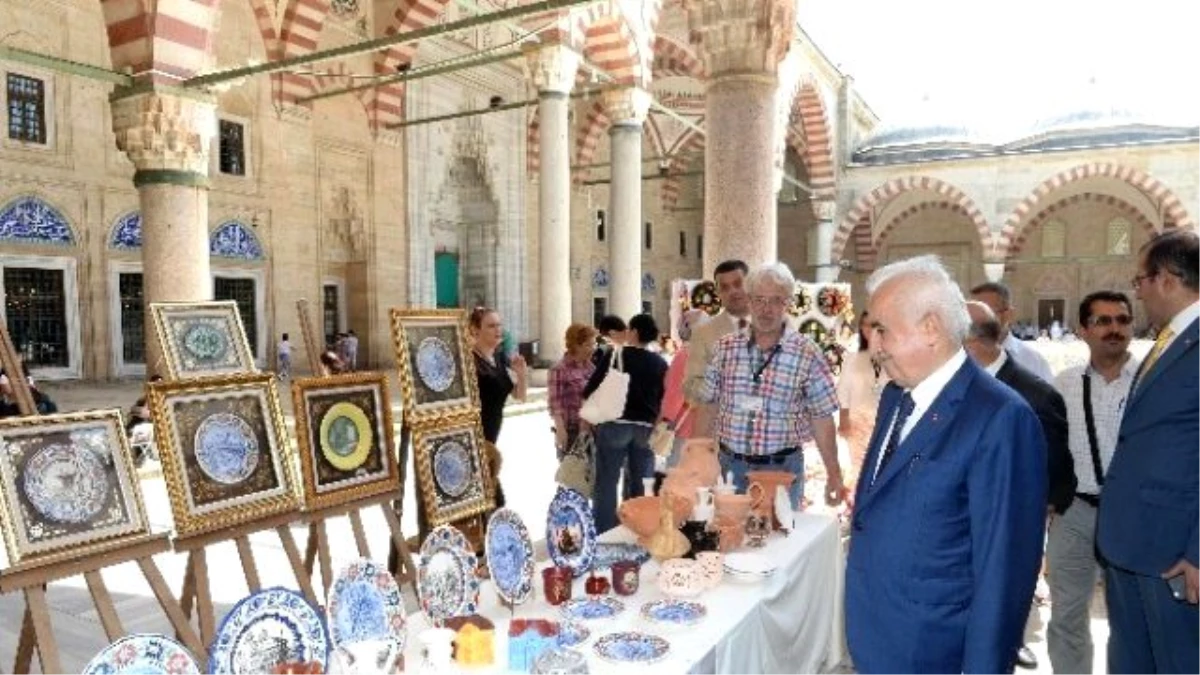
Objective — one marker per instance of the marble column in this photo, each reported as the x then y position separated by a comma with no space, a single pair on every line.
167,138
820,243
994,271
626,109
553,72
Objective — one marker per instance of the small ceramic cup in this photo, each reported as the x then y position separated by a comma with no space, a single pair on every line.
556,584
626,576
711,566
680,578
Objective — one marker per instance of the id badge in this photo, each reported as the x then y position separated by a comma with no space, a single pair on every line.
752,404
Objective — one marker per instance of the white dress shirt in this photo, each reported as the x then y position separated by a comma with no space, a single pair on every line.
1108,405
923,395
994,367
1181,321
1026,355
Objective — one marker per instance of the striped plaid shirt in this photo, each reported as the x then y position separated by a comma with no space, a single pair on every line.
795,386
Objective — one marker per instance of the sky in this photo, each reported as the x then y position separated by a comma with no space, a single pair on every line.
1000,66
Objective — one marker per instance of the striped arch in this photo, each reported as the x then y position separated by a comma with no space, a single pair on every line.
916,209
613,43
533,148
385,104
687,147
810,125
161,42
866,209
673,59
1129,211
1166,201
585,146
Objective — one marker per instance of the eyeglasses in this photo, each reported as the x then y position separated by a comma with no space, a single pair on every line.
1136,282
1103,320
769,301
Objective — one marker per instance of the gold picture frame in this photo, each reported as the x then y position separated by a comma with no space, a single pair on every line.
68,486
344,434
224,449
454,475
201,339
435,363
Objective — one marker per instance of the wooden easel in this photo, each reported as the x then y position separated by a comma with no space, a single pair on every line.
319,539
310,340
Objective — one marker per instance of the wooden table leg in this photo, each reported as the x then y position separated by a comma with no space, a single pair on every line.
303,576
175,614
47,647
104,605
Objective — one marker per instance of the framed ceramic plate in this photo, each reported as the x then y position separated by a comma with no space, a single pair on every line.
225,456
453,480
446,581
365,605
344,433
632,647
571,532
267,628
437,373
67,484
509,552
201,339
143,653
674,612
600,608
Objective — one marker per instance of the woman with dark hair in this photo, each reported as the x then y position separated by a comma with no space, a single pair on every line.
497,374
859,387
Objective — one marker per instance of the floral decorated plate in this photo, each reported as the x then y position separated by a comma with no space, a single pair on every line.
509,556
571,633
143,653
592,609
446,581
435,364
704,296
632,647
267,628
571,532
365,606
675,612
608,553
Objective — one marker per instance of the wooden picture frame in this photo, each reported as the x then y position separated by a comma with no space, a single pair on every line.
224,451
68,486
435,363
345,438
454,476
201,339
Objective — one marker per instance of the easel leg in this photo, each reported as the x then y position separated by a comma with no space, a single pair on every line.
188,594
405,570
104,605
310,549
303,577
360,535
248,566
35,598
323,553
204,603
177,617
25,645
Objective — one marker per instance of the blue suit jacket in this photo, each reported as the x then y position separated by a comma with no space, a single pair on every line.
947,541
1149,505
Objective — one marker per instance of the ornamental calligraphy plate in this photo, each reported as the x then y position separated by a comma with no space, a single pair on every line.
66,484
226,448
435,364
266,629
365,606
143,653
571,531
446,581
509,551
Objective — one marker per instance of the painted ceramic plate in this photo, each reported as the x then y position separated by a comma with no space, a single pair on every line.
676,612
571,532
66,484
592,609
226,449
509,556
815,330
571,633
143,653
452,468
608,553
749,565
205,343
435,364
632,647
346,436
446,581
265,629
365,606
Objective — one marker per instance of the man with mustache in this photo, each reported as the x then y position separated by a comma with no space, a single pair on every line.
1095,395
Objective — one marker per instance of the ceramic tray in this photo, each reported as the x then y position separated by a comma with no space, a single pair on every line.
272,626
143,653
365,605
446,580
632,647
571,532
509,556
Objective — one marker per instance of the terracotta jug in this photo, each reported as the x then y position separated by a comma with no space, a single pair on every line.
735,507
731,533
641,514
768,481
700,456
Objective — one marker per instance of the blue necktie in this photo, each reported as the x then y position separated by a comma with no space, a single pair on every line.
904,410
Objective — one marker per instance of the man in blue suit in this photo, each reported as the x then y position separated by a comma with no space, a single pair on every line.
947,531
1146,529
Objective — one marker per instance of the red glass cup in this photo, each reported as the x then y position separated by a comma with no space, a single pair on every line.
596,585
626,577
556,584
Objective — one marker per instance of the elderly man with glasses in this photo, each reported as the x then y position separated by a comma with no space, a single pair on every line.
771,391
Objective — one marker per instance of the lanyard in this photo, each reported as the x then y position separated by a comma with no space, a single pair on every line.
758,373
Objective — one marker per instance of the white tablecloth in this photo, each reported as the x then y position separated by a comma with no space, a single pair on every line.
790,623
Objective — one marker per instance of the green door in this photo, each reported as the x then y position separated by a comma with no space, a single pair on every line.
445,270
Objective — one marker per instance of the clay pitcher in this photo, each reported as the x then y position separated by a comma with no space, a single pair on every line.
735,508
769,481
699,455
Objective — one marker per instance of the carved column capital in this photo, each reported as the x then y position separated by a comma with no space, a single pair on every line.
627,106
741,37
165,132
552,68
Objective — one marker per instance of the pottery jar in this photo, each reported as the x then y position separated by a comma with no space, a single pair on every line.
680,578
731,533
641,514
769,481
626,577
556,584
711,565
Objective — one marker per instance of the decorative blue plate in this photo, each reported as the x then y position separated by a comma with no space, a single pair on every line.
435,364
446,581
272,626
452,468
66,484
205,343
226,449
509,553
571,532
571,633
143,653
592,609
677,612
632,647
608,553
365,605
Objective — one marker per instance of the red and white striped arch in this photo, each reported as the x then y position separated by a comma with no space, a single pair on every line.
809,135
688,147
1166,201
1127,210
163,44
299,34
594,124
672,59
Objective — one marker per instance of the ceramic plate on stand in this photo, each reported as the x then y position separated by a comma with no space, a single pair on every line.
571,532
632,647
365,605
267,628
509,553
446,580
143,653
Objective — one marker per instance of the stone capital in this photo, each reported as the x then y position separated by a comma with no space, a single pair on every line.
165,132
627,105
741,37
552,68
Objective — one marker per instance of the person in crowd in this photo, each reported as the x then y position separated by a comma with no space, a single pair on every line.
946,536
730,280
770,391
498,376
612,334
8,403
861,382
350,346
331,361
284,354
1146,529
983,345
997,296
566,381
1095,394
627,439
675,408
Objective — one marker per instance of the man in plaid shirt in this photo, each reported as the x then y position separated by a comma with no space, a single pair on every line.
770,392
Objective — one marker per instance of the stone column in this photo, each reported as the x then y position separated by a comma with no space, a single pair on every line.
553,72
820,242
626,109
742,43
993,270
167,138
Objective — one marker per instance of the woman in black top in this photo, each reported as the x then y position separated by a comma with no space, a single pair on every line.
628,438
498,376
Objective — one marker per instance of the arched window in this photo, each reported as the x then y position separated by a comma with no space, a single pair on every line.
234,240
1119,234
31,220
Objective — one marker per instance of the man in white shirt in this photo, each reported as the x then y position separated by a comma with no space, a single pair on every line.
1095,395
284,352
997,296
730,278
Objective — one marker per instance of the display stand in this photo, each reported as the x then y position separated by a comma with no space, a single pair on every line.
318,539
31,578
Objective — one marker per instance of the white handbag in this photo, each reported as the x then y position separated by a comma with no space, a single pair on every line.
607,403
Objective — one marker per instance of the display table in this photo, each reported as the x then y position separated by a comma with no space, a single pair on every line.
789,623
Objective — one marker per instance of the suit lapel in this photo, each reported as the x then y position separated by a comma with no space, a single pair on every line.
888,401
1185,341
